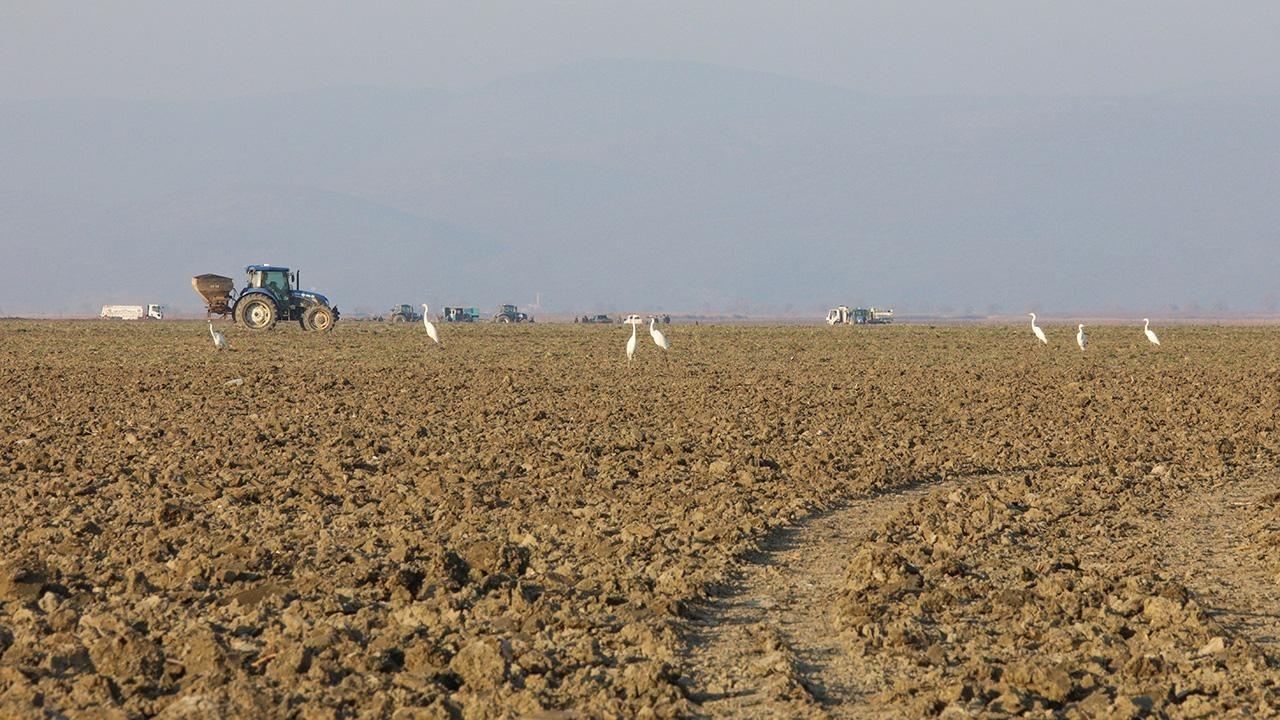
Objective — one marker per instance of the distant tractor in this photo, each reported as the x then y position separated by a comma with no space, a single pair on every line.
461,314
404,313
270,294
133,312
510,314
594,320
844,315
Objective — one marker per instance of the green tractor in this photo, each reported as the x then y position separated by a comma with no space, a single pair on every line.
404,313
510,314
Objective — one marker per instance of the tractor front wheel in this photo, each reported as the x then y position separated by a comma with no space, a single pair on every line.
318,318
256,313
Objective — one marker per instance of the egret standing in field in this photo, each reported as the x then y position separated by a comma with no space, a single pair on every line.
219,340
1081,338
658,338
631,344
1151,334
431,329
1036,329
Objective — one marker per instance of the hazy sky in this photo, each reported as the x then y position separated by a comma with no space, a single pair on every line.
1116,142
170,49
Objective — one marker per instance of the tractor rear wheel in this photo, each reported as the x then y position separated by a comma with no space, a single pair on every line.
256,313
318,318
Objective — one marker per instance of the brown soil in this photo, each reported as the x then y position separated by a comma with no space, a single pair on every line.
1053,595
359,525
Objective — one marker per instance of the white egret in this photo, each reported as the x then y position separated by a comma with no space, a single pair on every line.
1081,338
219,340
1036,329
631,344
431,329
658,338
1151,334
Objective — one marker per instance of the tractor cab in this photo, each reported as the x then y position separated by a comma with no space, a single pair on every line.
272,279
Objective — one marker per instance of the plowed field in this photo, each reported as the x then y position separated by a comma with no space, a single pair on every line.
361,524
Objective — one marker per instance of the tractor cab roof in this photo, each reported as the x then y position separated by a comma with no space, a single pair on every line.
266,268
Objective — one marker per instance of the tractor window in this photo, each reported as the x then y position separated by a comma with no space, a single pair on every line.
277,281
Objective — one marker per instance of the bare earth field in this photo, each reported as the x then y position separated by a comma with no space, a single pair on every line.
769,522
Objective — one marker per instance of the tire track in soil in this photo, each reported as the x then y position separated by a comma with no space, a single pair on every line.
766,643
1203,541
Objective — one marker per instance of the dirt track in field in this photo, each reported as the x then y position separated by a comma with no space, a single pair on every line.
1206,541
767,641
360,525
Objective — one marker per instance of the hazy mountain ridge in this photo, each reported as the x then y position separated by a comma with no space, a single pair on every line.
663,185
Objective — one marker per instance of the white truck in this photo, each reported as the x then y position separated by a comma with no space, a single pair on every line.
133,312
844,315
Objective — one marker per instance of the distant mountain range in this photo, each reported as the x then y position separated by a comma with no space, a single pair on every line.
620,185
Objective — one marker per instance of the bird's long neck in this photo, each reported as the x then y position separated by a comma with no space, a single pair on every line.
633,330
1146,324
212,334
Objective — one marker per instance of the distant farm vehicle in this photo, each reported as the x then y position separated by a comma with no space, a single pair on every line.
510,314
872,316
844,315
270,294
404,313
133,312
594,320
461,314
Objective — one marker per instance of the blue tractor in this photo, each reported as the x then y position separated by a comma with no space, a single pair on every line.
270,295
